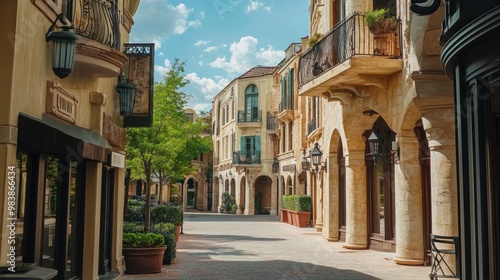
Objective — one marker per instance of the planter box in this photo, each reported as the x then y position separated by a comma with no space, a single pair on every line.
177,233
284,216
302,218
289,218
295,218
143,260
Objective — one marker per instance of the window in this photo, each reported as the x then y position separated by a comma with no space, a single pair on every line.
290,139
250,147
251,103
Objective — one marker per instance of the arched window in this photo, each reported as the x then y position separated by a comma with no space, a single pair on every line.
251,103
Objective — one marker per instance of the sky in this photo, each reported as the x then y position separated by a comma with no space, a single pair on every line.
218,39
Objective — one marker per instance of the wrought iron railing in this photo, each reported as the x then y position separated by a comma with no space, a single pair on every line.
98,20
246,157
272,122
311,126
348,38
253,115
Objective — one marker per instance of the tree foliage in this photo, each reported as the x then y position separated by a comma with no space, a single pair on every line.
166,149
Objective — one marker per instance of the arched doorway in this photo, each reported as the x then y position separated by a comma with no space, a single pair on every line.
242,199
233,188
342,191
289,185
380,188
191,193
263,186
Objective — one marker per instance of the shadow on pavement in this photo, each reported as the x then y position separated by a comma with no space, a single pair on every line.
215,217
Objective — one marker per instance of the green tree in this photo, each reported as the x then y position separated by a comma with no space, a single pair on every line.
166,149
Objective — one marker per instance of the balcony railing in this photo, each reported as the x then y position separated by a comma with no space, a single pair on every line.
98,20
311,126
249,116
272,122
347,39
246,157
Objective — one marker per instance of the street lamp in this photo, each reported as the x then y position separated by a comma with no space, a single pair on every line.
316,157
374,144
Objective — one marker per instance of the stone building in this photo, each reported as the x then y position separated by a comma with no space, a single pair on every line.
62,136
387,129
243,150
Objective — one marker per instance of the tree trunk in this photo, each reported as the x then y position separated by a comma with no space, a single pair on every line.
147,207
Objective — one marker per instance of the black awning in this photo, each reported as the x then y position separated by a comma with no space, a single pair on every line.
50,136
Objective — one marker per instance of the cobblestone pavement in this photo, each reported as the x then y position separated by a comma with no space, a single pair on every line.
221,246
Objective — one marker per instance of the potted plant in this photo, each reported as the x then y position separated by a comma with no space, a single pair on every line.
143,252
169,214
294,208
284,211
304,210
379,21
289,206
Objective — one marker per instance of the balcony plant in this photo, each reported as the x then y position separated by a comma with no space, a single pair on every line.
380,21
143,252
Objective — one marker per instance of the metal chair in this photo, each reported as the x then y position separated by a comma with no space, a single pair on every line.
440,267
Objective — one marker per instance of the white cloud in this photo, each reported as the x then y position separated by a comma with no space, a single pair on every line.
200,63
161,71
207,86
201,43
244,55
155,20
211,49
255,5
198,107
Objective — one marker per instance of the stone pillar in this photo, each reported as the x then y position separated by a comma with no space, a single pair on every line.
408,196
92,220
318,177
274,196
249,196
439,125
356,211
331,205
358,6
119,193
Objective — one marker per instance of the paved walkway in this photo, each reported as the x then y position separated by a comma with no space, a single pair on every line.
220,246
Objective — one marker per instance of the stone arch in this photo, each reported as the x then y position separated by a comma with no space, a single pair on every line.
242,197
332,203
289,185
226,185
233,188
263,194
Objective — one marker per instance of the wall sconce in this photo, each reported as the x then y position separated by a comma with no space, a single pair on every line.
64,43
304,163
316,157
374,144
126,91
276,166
395,150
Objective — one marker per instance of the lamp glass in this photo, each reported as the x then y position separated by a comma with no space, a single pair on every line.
374,143
127,97
316,155
64,43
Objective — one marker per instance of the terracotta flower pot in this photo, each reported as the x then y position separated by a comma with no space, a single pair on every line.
289,217
177,233
302,219
284,216
143,260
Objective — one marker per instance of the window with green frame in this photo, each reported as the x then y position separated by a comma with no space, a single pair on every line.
251,103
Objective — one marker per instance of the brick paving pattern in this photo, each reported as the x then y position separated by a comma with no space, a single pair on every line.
220,246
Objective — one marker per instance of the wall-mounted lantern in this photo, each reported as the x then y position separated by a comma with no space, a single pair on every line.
276,166
126,91
374,144
316,157
64,43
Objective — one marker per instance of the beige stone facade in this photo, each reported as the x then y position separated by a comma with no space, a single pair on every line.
392,85
62,141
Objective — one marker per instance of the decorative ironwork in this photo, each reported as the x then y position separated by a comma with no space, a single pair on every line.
272,122
246,157
347,39
424,10
98,20
249,116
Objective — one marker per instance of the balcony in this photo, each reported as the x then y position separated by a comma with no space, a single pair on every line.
246,157
97,23
286,109
272,124
348,59
250,118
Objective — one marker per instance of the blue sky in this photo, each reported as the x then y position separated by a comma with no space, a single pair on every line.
218,39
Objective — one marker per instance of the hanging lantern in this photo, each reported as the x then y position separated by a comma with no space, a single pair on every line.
126,91
64,43
374,144
316,155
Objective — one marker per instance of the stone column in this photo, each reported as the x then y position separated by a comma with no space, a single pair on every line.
331,206
356,212
318,177
119,192
249,195
439,125
408,196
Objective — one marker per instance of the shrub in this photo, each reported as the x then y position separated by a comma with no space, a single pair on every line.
168,231
372,17
284,199
314,39
227,202
131,227
293,203
135,213
167,214
234,208
142,240
304,203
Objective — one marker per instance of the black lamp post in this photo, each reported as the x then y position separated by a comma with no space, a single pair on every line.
64,43
126,90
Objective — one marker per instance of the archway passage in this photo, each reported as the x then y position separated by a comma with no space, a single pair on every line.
242,197
191,193
381,189
263,186
342,191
